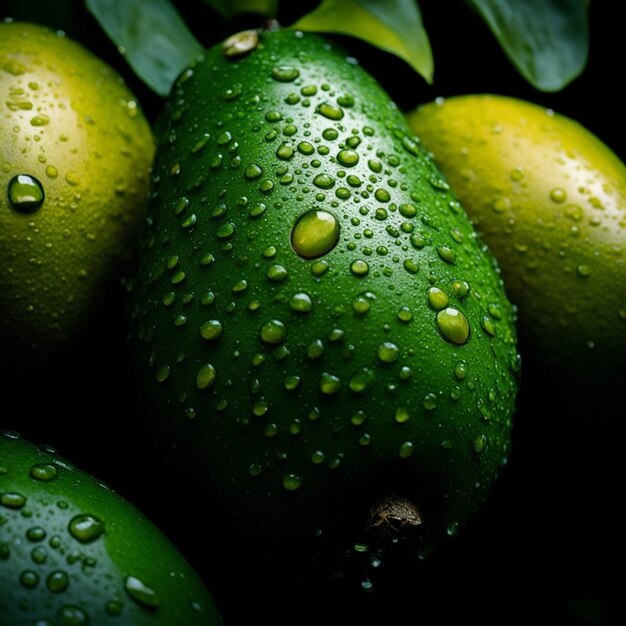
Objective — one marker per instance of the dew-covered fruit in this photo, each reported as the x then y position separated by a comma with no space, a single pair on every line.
73,552
75,153
549,199
292,359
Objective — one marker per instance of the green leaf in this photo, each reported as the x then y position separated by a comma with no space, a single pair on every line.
392,25
229,8
152,36
546,40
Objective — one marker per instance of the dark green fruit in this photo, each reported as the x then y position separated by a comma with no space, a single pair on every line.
73,553
316,326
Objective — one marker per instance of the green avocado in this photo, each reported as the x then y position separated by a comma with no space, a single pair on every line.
549,198
73,553
321,343
75,156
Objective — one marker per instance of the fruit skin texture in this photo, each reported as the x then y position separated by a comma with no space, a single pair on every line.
55,565
298,390
69,121
549,199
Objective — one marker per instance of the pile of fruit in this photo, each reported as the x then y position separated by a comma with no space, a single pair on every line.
323,342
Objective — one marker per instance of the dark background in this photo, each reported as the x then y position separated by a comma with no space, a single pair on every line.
548,545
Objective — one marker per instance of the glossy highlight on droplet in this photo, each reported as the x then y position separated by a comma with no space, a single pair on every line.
314,234
25,193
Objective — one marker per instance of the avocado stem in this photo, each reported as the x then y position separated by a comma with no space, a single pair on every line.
393,517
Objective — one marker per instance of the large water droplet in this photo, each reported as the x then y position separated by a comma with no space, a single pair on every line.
301,303
388,352
273,332
36,533
359,267
323,181
277,273
86,528
437,298
25,193
453,325
43,471
330,111
141,593
211,330
329,383
12,500
57,581
240,44
285,73
314,234
348,158
205,376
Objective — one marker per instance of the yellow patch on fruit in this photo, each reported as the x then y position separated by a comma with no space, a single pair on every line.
75,153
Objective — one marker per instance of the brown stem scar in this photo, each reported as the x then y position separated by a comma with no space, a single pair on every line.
394,516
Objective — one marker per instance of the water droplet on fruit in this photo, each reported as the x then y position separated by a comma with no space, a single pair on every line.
361,381
253,171
39,555
301,303
406,450
402,415
461,288
12,500
330,111
43,471
205,376
361,304
291,482
479,443
329,383
240,44
488,326
359,267
314,234
285,73
29,579
36,533
276,273
211,330
25,193
453,325
437,298
273,332
86,528
388,352
57,581
141,593
72,616
558,195
447,254
348,158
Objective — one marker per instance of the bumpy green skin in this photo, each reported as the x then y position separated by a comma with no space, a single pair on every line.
248,438
36,543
